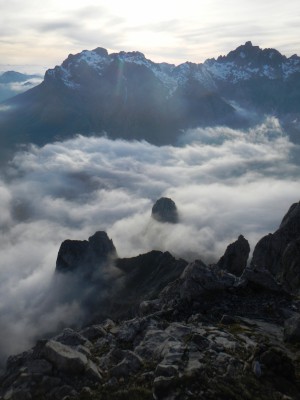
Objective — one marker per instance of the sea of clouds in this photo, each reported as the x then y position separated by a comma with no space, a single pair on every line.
225,182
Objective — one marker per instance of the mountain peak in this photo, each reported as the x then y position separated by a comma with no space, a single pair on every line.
130,54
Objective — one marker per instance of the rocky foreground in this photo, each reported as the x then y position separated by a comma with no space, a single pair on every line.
224,331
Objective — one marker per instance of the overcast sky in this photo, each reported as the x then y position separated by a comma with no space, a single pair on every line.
35,32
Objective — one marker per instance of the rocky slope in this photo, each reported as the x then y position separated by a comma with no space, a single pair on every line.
278,253
127,95
201,331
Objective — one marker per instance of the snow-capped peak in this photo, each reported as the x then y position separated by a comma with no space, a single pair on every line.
243,63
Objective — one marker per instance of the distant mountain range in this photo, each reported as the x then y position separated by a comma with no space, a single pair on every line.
128,96
13,83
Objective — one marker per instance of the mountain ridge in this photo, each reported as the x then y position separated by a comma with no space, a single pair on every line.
245,55
125,95
203,334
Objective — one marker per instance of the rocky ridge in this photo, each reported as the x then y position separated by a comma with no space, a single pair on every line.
125,95
278,253
243,63
207,334
85,255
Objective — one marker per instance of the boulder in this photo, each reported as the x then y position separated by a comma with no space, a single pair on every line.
165,210
292,329
259,278
39,366
70,337
64,358
198,279
235,257
276,362
131,363
93,332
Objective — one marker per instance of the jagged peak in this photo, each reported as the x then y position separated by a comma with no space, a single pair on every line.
243,63
292,216
248,52
129,54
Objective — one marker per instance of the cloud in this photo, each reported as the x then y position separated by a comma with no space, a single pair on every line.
8,90
225,182
190,30
4,108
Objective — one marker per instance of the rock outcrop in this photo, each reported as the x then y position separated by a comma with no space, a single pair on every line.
145,276
200,333
83,255
165,210
236,256
290,263
292,329
198,280
279,252
90,273
185,348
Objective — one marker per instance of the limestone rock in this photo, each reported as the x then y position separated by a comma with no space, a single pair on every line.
130,329
131,363
292,329
276,362
93,332
291,266
145,276
149,307
39,366
292,219
236,256
165,210
70,337
198,279
64,358
80,255
256,368
273,253
261,278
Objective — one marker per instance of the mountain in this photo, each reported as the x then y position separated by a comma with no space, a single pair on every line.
128,96
196,331
13,83
13,76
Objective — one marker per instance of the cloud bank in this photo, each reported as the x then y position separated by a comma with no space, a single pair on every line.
225,182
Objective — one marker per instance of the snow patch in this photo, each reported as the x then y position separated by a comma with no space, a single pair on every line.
66,78
208,74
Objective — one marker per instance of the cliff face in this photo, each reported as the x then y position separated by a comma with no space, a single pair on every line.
278,253
183,331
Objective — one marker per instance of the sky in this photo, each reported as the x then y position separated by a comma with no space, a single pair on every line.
44,33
